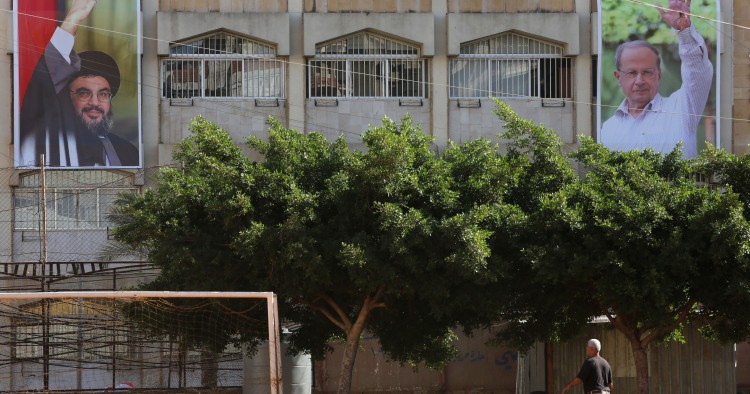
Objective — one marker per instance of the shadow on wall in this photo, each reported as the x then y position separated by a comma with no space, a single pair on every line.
477,368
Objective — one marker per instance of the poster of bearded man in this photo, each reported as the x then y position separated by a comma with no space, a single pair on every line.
77,91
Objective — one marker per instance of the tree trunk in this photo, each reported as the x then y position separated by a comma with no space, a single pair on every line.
641,367
350,351
209,369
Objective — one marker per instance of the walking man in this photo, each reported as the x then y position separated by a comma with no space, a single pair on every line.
595,374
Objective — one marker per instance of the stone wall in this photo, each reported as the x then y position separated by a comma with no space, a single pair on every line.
511,6
224,5
368,6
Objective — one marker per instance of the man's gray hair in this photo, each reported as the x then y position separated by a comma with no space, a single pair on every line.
594,343
634,45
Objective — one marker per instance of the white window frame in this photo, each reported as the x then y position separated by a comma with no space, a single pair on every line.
383,56
65,184
489,54
261,59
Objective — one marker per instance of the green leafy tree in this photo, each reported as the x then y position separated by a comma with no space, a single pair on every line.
637,240
626,20
350,241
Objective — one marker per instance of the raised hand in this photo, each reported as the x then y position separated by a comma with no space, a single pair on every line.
677,15
78,12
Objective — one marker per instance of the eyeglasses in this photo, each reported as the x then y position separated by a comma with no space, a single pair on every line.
84,95
645,74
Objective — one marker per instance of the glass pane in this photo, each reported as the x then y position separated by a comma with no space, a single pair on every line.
406,78
107,199
64,203
510,44
469,78
182,78
263,79
555,78
88,209
219,76
367,78
367,44
512,78
26,210
328,78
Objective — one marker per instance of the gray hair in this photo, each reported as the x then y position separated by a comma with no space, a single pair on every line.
594,343
634,45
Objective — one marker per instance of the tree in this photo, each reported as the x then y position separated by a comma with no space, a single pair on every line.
350,241
638,240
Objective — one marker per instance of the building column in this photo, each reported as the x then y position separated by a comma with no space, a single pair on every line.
439,79
296,70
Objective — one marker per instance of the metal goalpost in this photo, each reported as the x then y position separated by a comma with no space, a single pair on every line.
274,342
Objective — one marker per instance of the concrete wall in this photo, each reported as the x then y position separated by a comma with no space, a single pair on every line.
241,118
511,6
478,368
224,5
559,28
272,28
322,27
468,122
350,118
368,6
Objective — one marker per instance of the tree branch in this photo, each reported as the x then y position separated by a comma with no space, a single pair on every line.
375,301
623,324
657,333
340,312
328,315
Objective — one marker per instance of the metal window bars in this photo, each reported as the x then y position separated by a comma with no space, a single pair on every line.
365,44
379,77
510,66
366,65
68,208
222,65
511,44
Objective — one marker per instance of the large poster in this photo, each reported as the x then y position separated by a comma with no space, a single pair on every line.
658,74
77,96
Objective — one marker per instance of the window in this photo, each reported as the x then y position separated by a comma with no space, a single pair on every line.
366,65
510,65
75,199
222,65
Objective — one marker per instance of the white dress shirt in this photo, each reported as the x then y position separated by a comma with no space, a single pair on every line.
667,120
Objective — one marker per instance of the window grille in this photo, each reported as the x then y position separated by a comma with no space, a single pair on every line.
75,199
367,65
222,65
510,65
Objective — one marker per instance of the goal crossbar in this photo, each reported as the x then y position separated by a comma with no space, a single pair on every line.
274,345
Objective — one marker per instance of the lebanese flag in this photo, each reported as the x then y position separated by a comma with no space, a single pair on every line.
37,20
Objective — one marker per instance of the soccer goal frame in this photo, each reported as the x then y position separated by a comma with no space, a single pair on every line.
274,345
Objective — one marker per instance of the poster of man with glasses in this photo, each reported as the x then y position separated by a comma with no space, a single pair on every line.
657,75
77,95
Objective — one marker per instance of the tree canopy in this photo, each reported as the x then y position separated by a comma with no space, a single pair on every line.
409,243
376,240
636,239
626,20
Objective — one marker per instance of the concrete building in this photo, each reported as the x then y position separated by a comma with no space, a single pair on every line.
334,66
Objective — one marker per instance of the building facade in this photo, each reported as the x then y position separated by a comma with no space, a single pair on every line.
332,66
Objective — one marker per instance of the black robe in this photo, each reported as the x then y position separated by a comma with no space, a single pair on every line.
48,120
